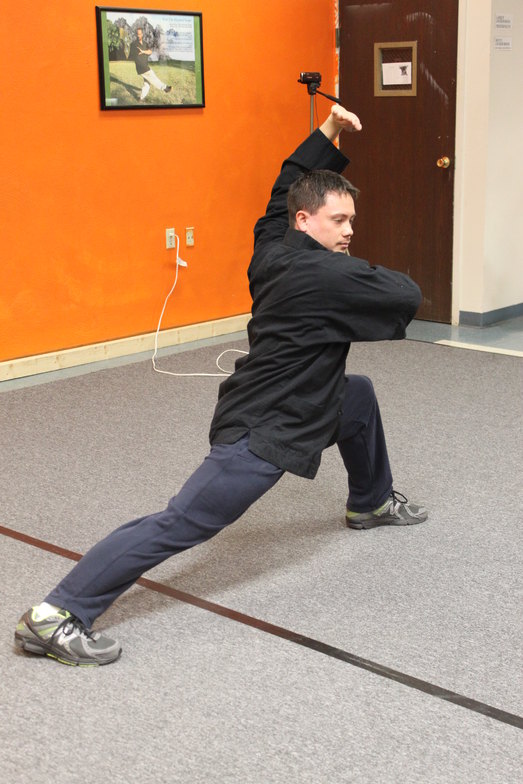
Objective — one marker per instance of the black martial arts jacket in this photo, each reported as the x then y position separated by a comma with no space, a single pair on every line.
309,304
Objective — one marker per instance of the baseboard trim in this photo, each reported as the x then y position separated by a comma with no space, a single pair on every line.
471,319
95,352
474,347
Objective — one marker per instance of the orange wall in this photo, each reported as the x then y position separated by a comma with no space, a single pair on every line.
87,194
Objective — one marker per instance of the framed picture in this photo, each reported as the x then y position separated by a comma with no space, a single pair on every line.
149,59
395,68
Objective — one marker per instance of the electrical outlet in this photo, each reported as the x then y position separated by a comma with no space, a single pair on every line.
189,236
170,239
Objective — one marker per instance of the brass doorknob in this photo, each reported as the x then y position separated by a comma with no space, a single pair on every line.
443,163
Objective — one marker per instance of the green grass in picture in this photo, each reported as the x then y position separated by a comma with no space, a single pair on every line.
126,84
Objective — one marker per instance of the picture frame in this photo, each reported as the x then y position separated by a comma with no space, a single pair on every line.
396,69
149,59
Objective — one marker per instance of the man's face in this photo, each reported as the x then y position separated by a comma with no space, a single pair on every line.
331,225
139,33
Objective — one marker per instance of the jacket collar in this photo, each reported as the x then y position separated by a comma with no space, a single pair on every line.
299,239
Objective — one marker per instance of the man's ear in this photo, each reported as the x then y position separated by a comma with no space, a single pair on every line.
301,220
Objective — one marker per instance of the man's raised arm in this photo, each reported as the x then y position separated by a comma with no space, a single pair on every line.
316,152
339,120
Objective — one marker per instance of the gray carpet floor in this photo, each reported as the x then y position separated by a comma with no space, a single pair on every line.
199,697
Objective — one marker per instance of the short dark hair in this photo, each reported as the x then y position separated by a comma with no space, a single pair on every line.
311,189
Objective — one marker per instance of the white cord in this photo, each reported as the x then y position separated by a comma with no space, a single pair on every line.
181,263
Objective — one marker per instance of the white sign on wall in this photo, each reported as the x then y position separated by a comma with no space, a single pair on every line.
502,42
503,21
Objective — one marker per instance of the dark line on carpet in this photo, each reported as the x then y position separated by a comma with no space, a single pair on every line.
286,634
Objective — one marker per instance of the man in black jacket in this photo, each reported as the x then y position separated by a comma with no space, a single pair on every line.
140,54
288,399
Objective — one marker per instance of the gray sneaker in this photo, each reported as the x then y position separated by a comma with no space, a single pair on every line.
395,511
64,638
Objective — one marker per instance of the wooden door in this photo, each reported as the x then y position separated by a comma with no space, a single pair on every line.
405,209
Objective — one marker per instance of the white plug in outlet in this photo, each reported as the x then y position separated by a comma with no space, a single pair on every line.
170,239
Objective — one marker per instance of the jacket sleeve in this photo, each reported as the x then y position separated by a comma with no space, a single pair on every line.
316,152
366,303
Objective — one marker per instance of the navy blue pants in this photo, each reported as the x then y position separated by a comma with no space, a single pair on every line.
229,480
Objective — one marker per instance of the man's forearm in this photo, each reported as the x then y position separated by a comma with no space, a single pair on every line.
313,153
339,119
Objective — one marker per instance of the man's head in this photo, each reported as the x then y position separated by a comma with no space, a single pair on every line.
139,33
321,204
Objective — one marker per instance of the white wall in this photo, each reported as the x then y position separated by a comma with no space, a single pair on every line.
504,197
488,230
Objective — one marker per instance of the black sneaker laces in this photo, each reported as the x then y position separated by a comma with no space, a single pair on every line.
69,625
399,498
